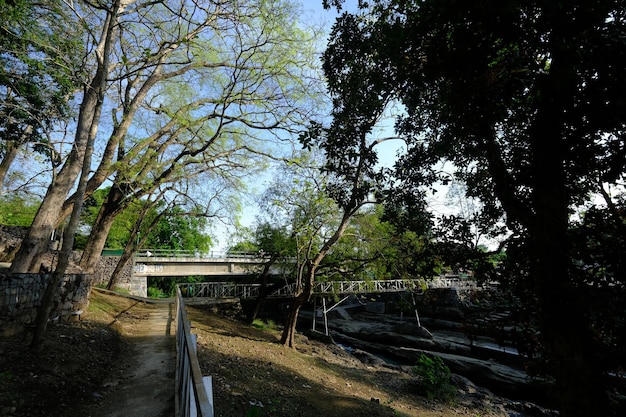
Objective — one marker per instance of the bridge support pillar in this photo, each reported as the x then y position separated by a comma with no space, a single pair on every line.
136,286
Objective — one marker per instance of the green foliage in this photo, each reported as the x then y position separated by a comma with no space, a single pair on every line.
434,378
264,325
530,119
246,247
180,230
40,67
121,227
17,211
166,286
254,411
154,292
177,229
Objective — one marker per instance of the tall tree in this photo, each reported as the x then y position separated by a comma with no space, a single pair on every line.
243,95
318,209
39,71
28,258
47,300
525,100
277,246
194,85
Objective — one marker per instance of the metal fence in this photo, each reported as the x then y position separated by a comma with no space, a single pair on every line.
194,393
213,254
235,290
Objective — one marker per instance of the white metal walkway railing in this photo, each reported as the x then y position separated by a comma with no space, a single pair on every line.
194,393
234,290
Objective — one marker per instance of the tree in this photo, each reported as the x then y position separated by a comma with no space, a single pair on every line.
40,70
278,247
196,86
214,135
525,101
318,210
28,257
180,229
120,229
146,220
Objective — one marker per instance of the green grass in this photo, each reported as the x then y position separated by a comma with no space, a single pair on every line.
264,325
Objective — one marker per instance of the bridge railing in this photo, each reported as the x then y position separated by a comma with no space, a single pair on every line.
214,254
234,290
219,290
454,282
194,393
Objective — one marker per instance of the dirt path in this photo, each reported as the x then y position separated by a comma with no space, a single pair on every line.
147,390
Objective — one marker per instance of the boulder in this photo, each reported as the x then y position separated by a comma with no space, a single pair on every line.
412,329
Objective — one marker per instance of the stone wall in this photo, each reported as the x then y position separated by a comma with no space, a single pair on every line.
20,295
134,285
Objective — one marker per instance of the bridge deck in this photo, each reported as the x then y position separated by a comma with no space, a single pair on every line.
234,290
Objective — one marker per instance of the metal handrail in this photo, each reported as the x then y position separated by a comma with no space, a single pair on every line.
235,290
182,253
194,393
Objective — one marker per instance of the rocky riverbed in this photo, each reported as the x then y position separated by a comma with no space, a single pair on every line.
377,329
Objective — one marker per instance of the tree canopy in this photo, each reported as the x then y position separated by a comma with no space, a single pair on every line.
525,101
40,69
194,92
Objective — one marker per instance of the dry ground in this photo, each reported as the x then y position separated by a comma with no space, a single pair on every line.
87,361
253,373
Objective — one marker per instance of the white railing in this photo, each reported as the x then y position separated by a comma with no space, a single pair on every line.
194,393
458,283
234,290
213,254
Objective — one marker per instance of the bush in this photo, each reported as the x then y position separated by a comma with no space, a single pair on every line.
154,292
260,324
434,378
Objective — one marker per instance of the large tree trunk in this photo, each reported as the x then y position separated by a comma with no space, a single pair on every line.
47,302
301,297
289,331
288,337
34,246
564,325
9,156
565,328
97,238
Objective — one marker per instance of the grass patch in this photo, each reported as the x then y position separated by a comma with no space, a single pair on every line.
264,325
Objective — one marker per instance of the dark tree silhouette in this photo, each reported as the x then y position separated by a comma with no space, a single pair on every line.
526,101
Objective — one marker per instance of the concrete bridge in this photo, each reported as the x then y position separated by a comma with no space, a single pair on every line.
220,265
154,263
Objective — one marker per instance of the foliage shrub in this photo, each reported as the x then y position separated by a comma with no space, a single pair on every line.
260,324
154,292
254,411
434,378
164,287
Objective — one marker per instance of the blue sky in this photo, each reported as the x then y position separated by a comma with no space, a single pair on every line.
387,151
